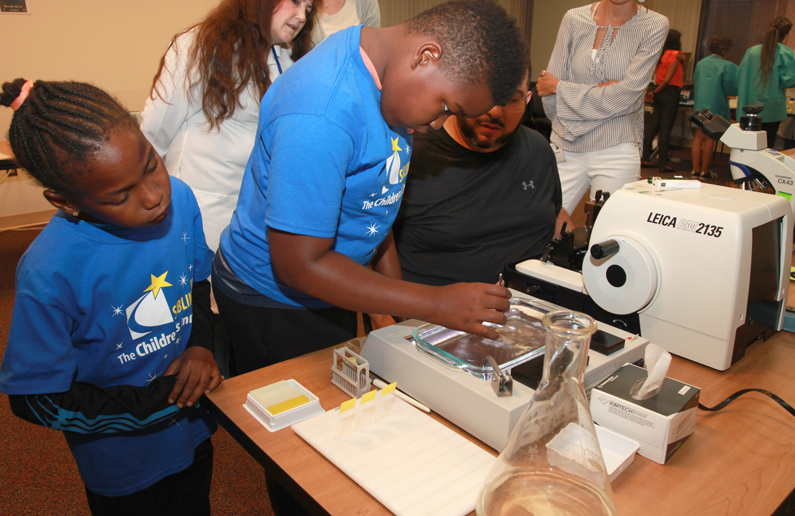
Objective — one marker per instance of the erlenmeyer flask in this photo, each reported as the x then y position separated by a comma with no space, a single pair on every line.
552,464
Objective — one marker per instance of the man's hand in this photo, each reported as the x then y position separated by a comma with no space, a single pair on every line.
197,374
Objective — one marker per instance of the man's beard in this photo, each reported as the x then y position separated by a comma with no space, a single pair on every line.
469,134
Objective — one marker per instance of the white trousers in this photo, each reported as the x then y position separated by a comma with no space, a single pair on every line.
606,170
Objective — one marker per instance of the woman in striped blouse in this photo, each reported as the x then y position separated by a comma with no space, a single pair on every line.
593,91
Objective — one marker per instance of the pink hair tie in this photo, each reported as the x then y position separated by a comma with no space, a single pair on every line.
23,94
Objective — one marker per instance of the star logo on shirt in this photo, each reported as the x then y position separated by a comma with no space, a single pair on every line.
183,280
119,345
116,310
372,229
158,282
185,237
152,378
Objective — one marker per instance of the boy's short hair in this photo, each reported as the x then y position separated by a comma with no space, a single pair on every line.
720,45
481,43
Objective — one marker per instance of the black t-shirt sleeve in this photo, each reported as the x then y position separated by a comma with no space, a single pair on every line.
201,333
87,408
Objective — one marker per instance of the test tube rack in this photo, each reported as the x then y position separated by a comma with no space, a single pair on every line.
350,372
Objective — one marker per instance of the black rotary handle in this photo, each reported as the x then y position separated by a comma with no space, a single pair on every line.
604,249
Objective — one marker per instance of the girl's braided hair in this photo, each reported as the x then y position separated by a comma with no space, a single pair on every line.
58,126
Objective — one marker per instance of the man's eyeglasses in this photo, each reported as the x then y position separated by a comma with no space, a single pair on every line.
518,103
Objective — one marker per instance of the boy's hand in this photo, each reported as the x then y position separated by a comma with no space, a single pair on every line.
197,374
465,306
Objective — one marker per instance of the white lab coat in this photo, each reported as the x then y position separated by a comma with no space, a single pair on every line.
210,162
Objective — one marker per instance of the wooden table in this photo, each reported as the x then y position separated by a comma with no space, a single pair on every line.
739,461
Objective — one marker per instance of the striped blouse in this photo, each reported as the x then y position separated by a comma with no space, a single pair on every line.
584,116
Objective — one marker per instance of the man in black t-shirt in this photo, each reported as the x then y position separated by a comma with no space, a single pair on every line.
482,192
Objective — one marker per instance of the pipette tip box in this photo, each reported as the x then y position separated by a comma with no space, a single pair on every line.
282,404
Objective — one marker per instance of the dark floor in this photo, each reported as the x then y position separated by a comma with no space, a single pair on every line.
682,163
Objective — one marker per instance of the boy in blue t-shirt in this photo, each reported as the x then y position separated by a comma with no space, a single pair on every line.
310,242
110,334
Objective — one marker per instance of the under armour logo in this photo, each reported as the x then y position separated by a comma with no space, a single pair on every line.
528,184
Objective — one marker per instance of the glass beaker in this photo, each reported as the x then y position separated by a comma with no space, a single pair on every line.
552,464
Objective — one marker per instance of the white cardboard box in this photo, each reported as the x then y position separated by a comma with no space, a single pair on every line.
660,424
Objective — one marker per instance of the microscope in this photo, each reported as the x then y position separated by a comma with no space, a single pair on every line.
754,166
701,270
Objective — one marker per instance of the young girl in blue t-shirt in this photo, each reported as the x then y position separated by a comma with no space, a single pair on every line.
110,334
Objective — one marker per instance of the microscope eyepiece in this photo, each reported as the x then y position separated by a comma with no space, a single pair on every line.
751,121
713,125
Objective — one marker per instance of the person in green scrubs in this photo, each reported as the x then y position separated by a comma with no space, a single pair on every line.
714,80
766,71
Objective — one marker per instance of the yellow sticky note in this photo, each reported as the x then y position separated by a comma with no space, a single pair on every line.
347,405
283,406
370,396
389,389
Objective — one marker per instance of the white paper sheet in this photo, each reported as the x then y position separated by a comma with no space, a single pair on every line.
408,461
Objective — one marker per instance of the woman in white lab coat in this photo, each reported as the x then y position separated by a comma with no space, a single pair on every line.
203,110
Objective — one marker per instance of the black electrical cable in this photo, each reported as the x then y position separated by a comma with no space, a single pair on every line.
737,394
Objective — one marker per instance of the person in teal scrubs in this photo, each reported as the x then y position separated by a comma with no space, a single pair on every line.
714,80
765,72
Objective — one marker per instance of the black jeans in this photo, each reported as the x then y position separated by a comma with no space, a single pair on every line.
261,336
666,106
186,493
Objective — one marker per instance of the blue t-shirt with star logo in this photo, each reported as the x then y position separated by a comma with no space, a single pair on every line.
111,306
325,164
